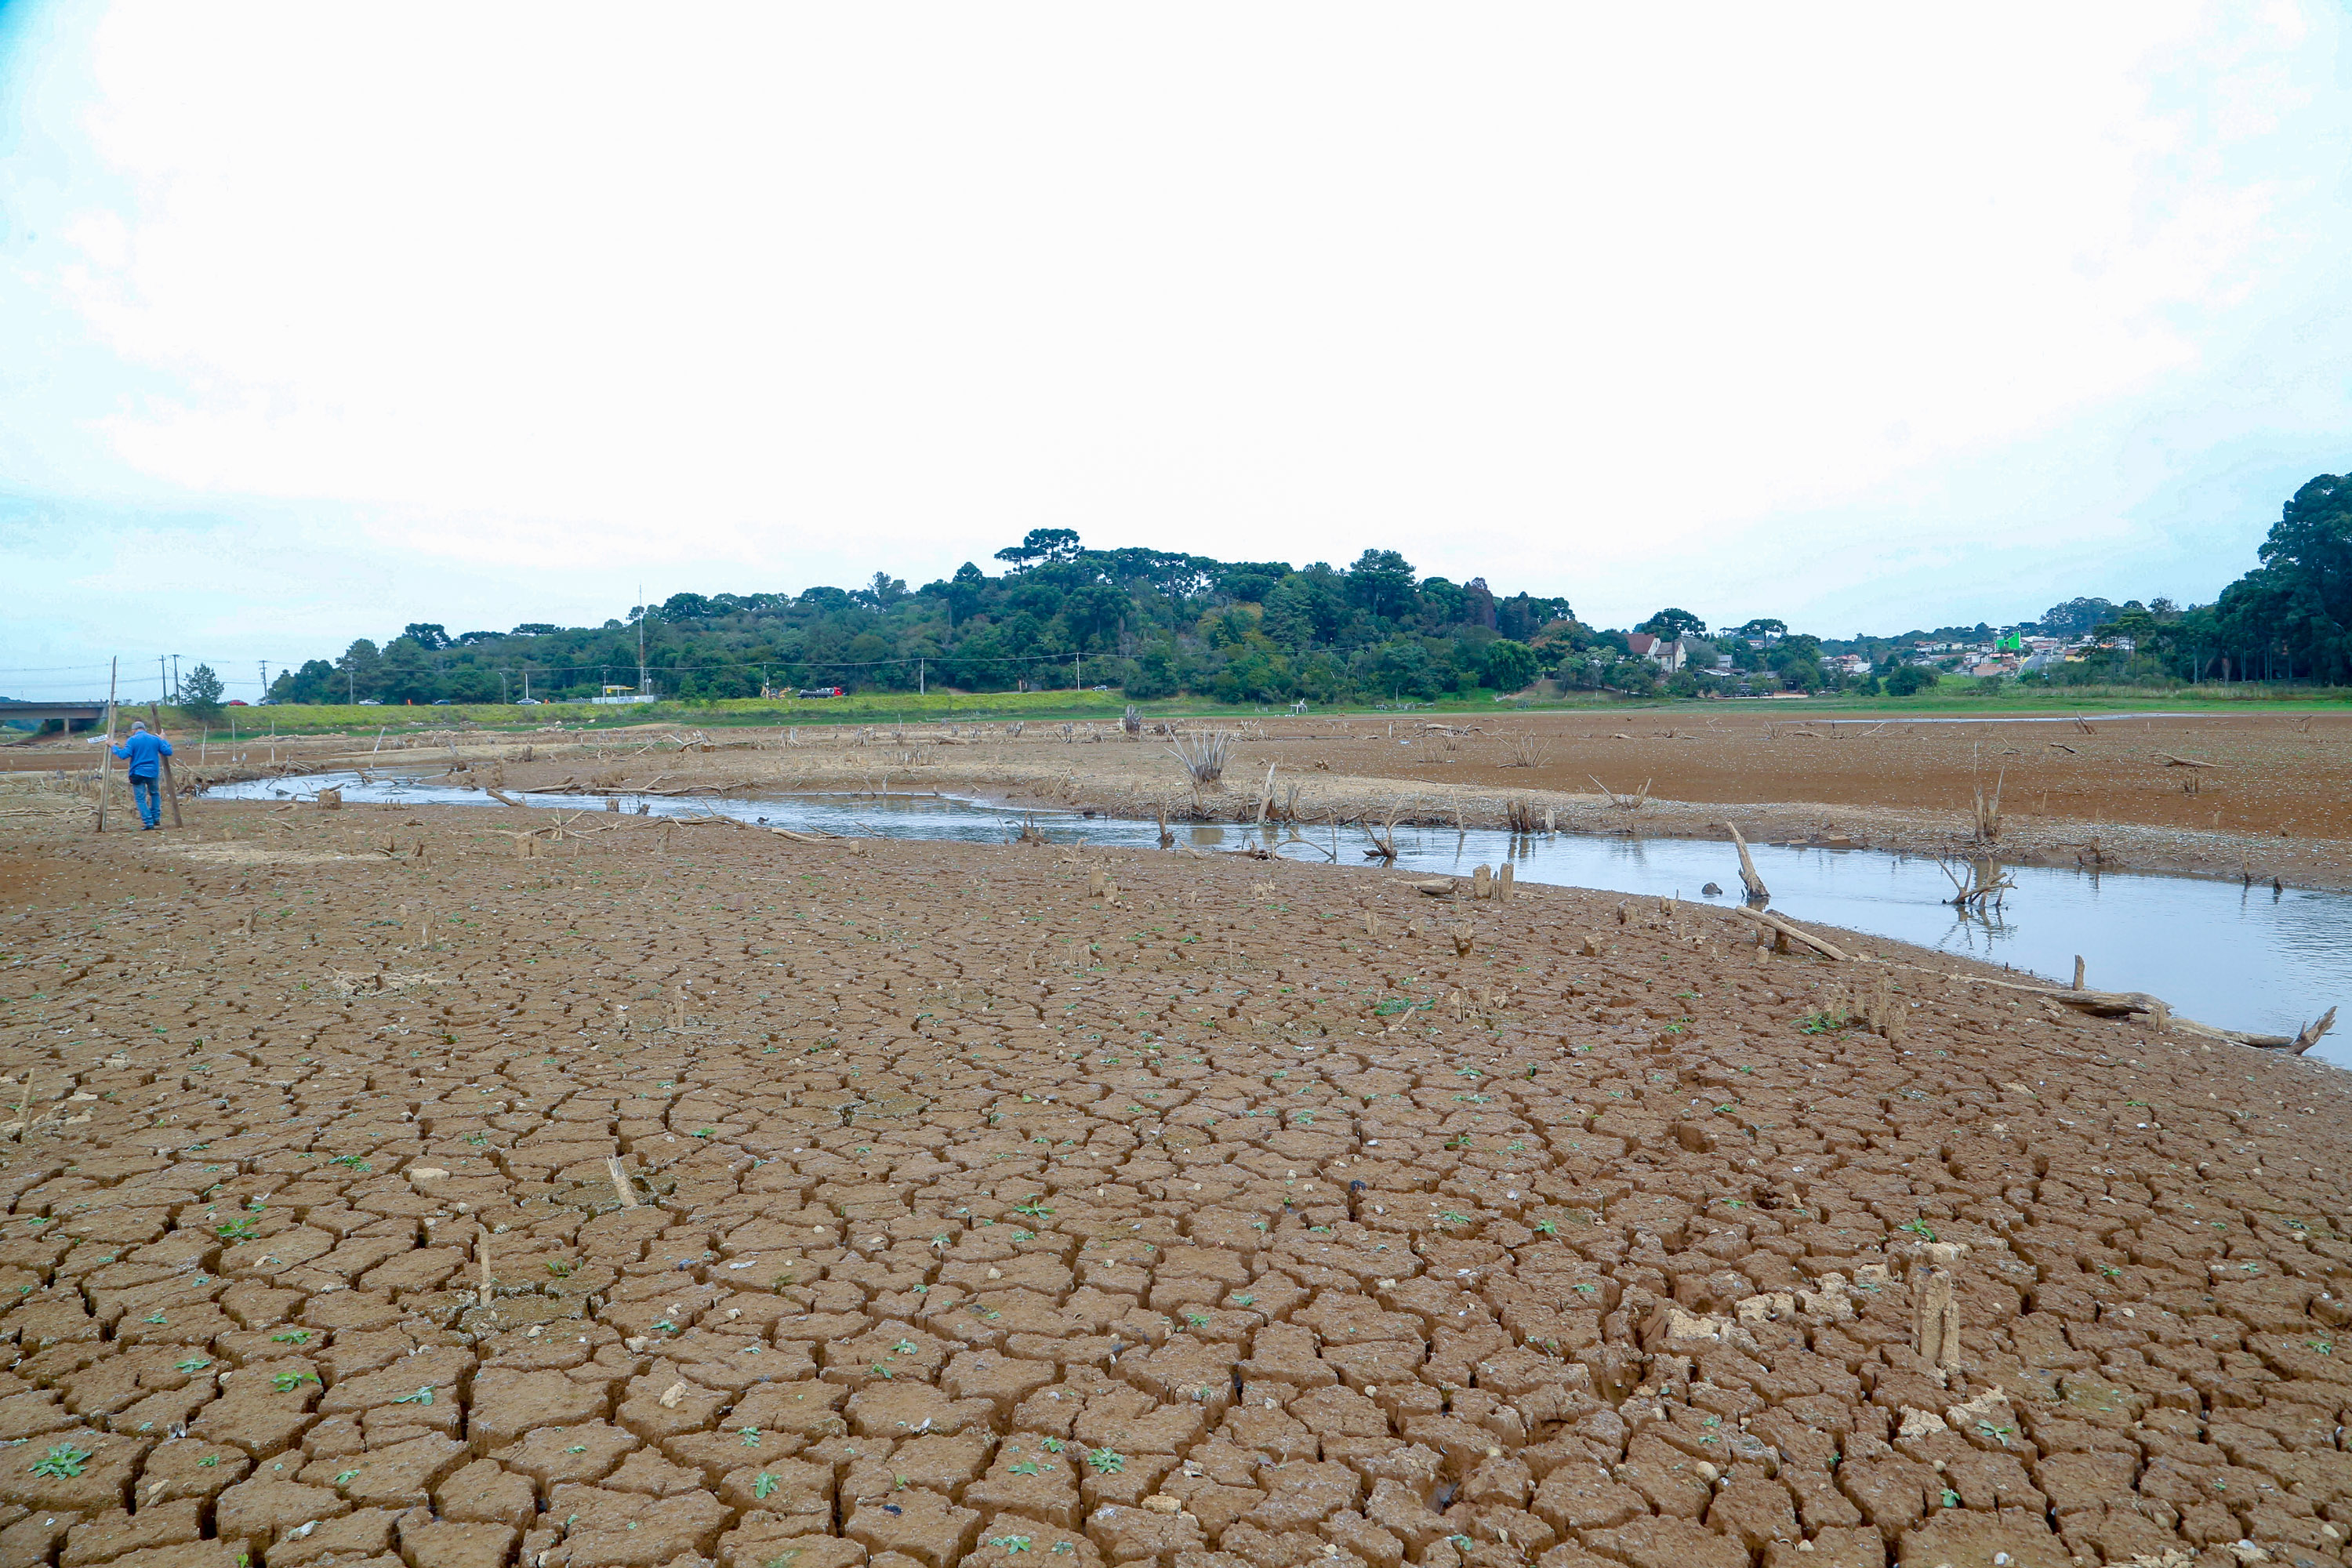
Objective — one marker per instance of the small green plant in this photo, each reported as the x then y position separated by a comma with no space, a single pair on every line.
63,1462
421,1397
1010,1543
1918,1227
195,1365
236,1230
292,1337
1107,1461
346,1477
761,1485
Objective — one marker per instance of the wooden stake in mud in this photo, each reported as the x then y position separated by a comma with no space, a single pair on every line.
1935,1326
482,1255
620,1182
1748,877
2078,972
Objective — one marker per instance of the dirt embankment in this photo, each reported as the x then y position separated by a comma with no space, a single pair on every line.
685,1194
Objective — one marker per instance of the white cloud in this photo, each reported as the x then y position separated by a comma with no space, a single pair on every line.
1602,302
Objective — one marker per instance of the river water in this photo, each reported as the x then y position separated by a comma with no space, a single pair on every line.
2245,958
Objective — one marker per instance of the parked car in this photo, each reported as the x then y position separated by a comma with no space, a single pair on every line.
371,701
526,702
441,702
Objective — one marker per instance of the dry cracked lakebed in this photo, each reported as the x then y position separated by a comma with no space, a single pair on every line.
703,1198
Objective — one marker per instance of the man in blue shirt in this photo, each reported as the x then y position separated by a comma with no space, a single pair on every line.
146,752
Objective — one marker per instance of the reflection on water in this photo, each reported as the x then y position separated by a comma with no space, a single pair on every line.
2245,958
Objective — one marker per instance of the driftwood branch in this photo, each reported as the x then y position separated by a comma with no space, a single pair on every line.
2139,1004
1623,802
1748,877
1795,933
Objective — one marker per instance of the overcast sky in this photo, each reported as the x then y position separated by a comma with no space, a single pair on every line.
319,318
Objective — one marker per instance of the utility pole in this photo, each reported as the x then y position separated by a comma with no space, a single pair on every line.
175,680
645,683
265,682
351,686
502,685
920,688
526,682
162,681
1077,673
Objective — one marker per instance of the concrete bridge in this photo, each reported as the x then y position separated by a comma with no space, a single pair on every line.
76,715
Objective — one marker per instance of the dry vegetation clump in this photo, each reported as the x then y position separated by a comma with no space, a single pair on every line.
1204,755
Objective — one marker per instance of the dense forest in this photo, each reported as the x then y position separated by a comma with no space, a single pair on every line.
1160,622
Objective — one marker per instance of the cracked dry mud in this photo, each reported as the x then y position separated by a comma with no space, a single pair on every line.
1233,1218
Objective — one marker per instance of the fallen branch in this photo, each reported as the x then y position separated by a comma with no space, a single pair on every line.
1794,932
2172,761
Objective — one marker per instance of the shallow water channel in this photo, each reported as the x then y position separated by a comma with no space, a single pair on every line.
2245,958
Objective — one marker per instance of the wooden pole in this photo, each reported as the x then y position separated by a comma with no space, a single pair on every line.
171,786
106,747
2078,972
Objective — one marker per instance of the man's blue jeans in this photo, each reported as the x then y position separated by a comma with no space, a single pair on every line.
149,800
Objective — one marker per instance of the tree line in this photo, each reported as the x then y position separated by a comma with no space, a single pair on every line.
2289,619
1158,622
1150,623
